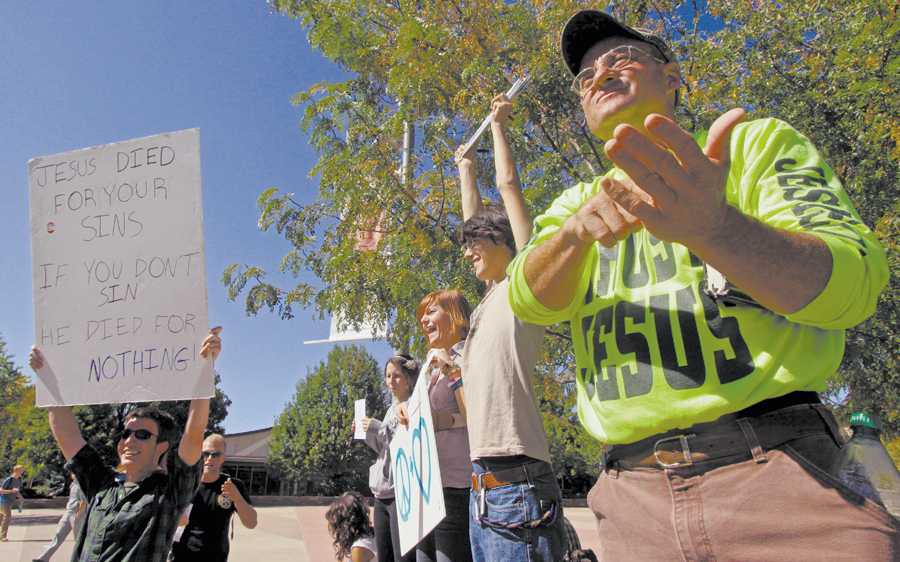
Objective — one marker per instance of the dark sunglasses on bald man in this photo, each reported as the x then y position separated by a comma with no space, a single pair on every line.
140,434
212,454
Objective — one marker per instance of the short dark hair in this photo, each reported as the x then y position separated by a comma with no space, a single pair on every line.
164,422
491,223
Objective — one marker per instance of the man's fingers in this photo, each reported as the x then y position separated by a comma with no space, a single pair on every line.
719,138
212,343
681,143
631,202
643,177
653,157
632,221
35,358
603,221
596,230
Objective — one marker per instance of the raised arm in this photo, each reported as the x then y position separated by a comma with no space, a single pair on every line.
374,437
65,430
783,270
552,270
468,188
62,420
245,511
192,441
506,175
198,414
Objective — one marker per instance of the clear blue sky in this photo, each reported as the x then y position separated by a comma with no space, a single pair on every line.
78,74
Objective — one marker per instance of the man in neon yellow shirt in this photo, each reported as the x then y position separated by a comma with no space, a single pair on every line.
708,291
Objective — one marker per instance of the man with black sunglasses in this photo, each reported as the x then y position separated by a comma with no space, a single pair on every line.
205,536
133,520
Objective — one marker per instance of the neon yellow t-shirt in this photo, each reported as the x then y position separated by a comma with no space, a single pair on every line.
655,353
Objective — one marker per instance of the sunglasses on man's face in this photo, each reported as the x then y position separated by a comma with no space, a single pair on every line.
212,454
140,434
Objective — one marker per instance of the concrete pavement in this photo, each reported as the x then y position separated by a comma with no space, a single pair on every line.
284,534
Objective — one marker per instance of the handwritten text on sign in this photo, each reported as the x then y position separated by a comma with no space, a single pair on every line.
418,487
118,271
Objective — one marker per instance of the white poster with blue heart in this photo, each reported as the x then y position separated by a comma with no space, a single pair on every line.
418,490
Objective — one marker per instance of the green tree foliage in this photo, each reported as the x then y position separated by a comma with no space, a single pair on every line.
312,440
828,68
576,456
25,436
13,385
444,63
831,69
101,423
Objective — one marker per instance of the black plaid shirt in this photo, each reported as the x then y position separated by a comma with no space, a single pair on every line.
132,524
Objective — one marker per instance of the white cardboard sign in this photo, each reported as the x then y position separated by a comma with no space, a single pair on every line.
118,272
418,487
359,414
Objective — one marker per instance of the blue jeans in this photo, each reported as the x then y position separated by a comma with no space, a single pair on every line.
500,535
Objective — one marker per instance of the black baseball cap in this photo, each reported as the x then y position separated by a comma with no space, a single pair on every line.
587,27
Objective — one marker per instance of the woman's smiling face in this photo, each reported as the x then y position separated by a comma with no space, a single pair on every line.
438,327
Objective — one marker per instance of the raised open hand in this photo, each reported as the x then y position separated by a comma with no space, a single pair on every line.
676,189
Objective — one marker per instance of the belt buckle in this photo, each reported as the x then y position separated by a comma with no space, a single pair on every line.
685,451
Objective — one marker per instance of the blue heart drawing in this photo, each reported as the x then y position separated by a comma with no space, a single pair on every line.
425,489
403,483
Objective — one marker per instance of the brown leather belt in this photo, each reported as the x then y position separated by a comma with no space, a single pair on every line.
729,436
510,476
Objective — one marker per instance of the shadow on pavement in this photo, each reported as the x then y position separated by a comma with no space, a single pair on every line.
30,520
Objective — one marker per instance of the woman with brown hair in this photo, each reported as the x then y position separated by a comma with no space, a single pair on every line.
444,319
400,374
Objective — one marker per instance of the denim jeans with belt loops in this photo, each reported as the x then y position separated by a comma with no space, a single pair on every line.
498,535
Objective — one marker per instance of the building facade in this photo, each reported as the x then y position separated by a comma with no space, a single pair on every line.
247,456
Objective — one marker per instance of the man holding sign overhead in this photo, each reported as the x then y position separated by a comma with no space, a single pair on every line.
133,521
120,307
